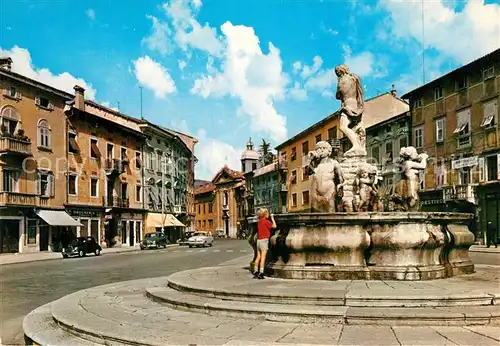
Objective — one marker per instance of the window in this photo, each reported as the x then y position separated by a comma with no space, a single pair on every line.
110,151
463,122
254,166
403,142
43,102
199,209
44,134
293,177
332,133
9,120
94,187
294,199
138,193
419,137
210,224
418,103
45,184
492,167
72,144
94,149
72,184
388,150
204,208
151,160
490,114
11,92
294,154
318,138
441,174
305,197
305,173
461,83
438,93
305,148
124,190
31,232
10,181
489,72
440,130
138,162
123,154
210,207
376,154
464,176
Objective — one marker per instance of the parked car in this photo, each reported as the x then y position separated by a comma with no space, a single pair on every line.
219,233
183,240
154,240
201,239
81,246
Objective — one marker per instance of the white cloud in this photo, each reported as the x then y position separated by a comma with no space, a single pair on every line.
298,93
255,78
462,35
189,33
64,81
307,71
324,79
328,30
197,3
297,66
180,125
154,76
182,64
213,154
108,104
91,14
361,64
159,40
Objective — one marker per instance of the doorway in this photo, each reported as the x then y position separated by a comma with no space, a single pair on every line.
124,233
131,232
9,236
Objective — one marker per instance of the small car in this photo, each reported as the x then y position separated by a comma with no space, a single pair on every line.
154,240
201,239
219,233
81,246
183,240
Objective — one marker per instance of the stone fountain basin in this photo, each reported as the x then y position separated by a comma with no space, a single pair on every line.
371,246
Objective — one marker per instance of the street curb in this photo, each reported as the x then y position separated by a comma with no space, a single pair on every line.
104,252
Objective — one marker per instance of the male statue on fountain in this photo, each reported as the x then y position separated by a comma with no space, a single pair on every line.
350,94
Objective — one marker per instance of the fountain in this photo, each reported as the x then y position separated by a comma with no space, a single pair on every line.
348,235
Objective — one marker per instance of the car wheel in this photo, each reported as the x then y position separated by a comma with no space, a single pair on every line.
65,256
81,253
97,252
190,246
211,244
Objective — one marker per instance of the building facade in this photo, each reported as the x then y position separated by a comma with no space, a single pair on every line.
204,206
455,121
266,188
32,164
104,178
293,153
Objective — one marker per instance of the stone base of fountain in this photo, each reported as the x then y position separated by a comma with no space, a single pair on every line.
371,246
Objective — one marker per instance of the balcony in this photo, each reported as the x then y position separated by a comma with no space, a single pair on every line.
117,202
177,209
460,193
114,166
19,199
15,146
282,163
463,140
225,207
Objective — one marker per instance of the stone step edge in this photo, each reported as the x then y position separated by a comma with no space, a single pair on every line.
352,315
369,299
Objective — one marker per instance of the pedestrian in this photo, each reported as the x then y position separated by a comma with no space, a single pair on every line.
263,234
491,234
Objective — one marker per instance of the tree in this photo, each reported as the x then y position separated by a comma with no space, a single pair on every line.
266,155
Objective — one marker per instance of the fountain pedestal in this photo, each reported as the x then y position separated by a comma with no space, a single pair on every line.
382,246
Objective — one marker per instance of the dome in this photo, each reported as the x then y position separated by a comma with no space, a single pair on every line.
249,153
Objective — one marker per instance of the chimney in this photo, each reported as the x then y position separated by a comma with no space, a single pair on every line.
6,63
79,97
393,91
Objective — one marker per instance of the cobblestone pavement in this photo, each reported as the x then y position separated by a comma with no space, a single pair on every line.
26,286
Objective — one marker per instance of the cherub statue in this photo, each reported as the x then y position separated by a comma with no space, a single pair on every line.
327,178
366,191
350,94
405,196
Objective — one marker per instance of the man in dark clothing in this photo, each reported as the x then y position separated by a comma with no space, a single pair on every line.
491,234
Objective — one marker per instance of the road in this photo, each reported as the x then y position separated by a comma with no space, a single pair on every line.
26,286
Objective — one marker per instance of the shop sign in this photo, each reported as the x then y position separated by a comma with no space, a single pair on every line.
433,197
432,202
108,217
465,162
83,213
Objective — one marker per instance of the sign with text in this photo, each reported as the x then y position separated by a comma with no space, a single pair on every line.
465,162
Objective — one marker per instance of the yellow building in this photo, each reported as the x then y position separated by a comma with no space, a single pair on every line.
292,153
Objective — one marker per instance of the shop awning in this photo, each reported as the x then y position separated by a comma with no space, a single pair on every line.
165,220
57,218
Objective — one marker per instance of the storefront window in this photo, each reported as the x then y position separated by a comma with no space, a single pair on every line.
31,232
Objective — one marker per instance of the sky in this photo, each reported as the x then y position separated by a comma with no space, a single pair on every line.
226,70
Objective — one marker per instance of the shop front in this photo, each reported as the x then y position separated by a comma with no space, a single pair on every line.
168,223
91,220
56,228
432,200
131,229
489,199
11,234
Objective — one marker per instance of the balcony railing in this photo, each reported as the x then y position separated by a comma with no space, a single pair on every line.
282,163
460,192
117,202
19,199
464,141
114,165
14,145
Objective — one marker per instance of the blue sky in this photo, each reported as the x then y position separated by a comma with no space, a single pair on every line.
225,70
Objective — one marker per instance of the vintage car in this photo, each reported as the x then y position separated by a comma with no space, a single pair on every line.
184,238
154,240
81,246
201,239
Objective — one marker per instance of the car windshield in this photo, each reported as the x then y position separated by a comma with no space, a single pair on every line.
152,235
199,234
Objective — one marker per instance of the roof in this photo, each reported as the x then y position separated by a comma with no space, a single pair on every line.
250,155
198,183
166,131
377,109
266,169
231,173
205,188
106,113
493,56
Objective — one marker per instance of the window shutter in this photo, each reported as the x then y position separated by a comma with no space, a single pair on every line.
498,166
51,106
481,168
37,100
38,183
52,185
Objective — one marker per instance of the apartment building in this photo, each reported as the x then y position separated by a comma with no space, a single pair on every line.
292,154
455,120
104,178
166,175
204,206
32,164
